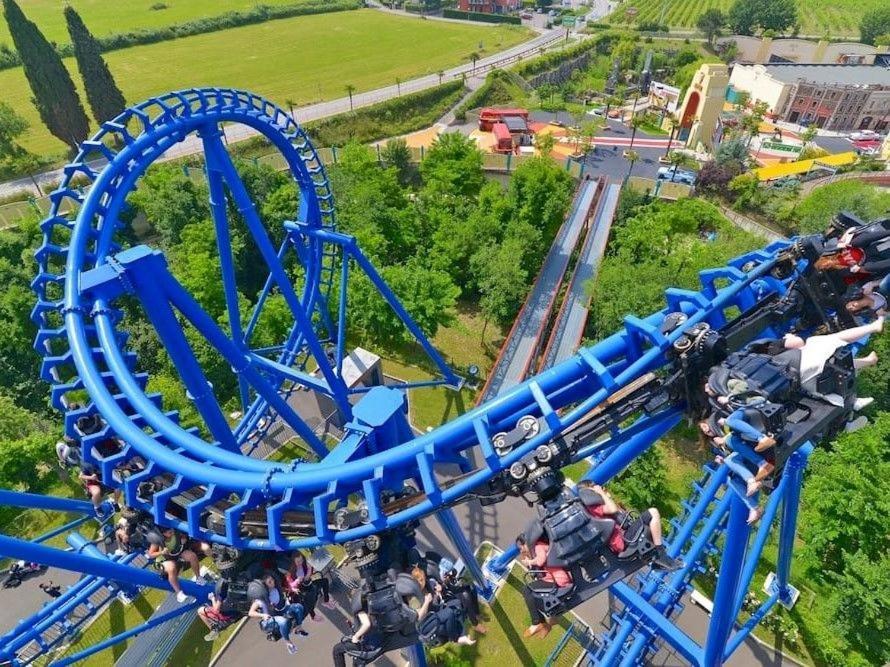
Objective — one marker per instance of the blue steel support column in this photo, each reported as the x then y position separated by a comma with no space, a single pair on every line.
217,193
215,151
619,459
416,655
36,501
734,545
74,562
794,468
452,528
499,564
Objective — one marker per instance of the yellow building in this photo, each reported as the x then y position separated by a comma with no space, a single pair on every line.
702,106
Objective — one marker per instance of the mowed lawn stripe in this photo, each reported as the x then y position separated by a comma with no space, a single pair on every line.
306,58
108,17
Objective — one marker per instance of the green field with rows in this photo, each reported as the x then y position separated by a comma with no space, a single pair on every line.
817,17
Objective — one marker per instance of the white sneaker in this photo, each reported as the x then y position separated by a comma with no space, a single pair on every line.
861,403
855,424
181,597
200,580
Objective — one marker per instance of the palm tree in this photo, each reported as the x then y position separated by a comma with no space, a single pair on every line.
590,129
808,135
399,86
440,73
674,122
635,122
350,89
291,103
474,56
632,157
677,160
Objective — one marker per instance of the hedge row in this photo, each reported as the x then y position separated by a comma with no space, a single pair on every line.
388,119
479,16
257,14
494,92
602,43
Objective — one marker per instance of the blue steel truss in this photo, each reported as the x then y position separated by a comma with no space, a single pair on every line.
84,272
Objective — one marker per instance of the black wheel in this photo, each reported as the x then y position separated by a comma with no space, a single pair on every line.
12,582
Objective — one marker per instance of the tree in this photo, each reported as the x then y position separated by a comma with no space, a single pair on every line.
816,209
291,103
732,150
453,166
635,123
860,604
440,74
14,159
808,135
55,96
644,482
473,57
674,124
105,98
395,153
503,282
545,143
631,156
170,200
746,16
539,194
711,22
678,159
874,24
844,513
350,89
714,176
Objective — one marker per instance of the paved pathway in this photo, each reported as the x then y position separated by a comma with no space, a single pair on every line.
523,340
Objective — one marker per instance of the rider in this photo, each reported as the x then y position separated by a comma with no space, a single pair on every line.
303,586
601,505
277,617
367,638
217,615
535,558
453,587
169,547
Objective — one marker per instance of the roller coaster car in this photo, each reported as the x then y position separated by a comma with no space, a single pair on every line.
595,575
791,416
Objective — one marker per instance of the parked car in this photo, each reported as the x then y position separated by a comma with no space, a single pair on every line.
526,16
864,135
597,111
677,175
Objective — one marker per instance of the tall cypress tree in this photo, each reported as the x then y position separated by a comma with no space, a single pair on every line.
54,93
105,98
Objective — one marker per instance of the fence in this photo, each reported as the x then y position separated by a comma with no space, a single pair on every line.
11,214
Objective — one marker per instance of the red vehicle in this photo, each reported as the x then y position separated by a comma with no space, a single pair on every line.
503,138
489,116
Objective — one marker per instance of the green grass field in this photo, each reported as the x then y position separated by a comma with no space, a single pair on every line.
306,58
107,18
829,17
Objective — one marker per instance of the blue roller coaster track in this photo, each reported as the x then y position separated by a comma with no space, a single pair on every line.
204,481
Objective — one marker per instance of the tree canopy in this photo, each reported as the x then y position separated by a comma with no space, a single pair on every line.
748,16
103,95
55,96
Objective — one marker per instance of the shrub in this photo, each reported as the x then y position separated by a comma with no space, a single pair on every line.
478,16
158,6
387,119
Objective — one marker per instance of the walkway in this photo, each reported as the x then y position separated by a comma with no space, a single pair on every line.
233,133
569,327
524,339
